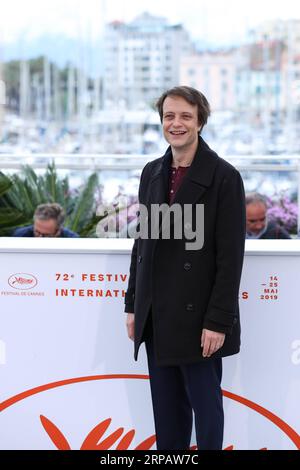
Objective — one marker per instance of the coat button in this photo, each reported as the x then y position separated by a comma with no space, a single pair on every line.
190,307
187,266
140,259
234,321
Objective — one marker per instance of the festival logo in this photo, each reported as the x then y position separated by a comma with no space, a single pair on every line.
22,281
108,415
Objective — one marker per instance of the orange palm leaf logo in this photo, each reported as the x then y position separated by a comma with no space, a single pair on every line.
96,440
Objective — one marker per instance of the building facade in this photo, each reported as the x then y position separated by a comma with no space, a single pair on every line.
142,59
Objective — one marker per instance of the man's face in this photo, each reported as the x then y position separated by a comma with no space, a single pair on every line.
256,215
180,122
46,228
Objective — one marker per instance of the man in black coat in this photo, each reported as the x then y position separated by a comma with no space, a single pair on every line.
182,296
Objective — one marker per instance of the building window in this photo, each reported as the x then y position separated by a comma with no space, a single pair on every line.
224,86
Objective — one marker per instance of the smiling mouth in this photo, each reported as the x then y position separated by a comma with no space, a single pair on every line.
177,132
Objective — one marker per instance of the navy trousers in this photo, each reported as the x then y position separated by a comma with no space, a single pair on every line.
177,392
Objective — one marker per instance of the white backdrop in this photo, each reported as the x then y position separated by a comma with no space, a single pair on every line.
66,365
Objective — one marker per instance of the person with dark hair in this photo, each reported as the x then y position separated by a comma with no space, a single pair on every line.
257,224
191,96
48,222
182,301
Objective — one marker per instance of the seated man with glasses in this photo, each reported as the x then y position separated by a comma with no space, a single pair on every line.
48,222
257,223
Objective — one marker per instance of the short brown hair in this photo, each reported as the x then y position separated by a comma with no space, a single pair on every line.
50,211
192,96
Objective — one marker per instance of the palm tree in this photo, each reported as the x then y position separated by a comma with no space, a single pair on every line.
20,194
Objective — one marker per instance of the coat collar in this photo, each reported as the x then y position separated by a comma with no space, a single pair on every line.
197,179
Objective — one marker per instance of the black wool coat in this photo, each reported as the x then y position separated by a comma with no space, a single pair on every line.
188,290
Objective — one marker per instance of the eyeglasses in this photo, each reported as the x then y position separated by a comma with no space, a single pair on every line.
46,235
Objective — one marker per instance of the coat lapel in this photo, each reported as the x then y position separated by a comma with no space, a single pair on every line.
160,180
199,176
196,181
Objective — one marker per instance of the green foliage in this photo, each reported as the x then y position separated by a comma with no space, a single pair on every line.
21,193
11,75
5,183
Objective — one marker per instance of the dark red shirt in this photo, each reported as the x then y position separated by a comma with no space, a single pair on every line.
175,180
